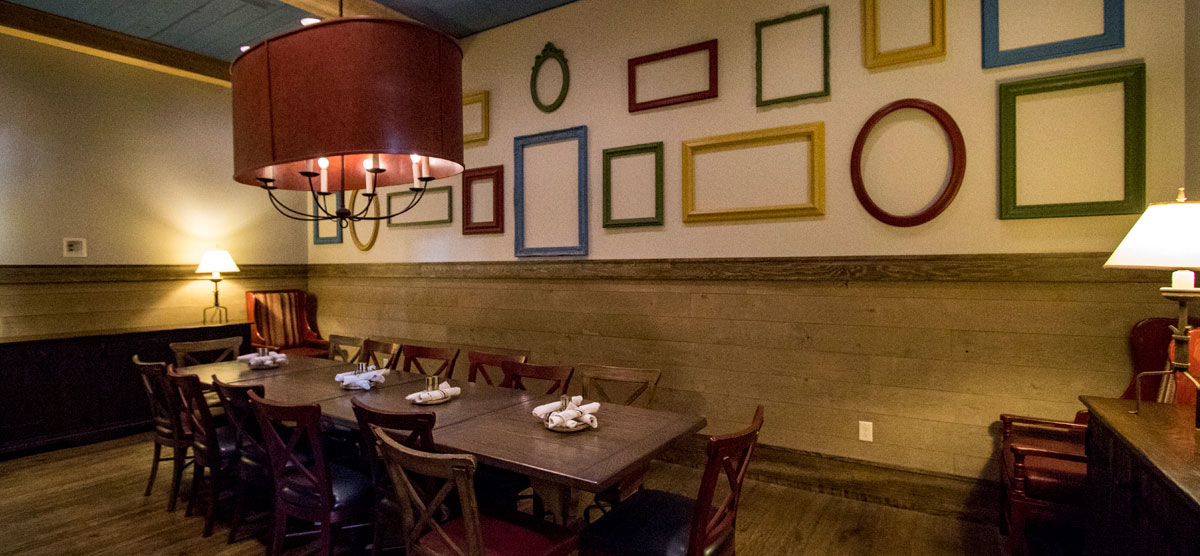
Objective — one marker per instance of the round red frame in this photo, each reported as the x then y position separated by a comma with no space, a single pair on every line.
958,164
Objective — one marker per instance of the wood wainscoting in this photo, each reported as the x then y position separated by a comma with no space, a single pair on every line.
931,349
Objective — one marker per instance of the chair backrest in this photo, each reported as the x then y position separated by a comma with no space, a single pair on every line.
479,361
374,352
413,355
200,420
1149,340
279,317
339,348
728,455
299,455
206,351
628,386
418,509
235,399
410,428
559,377
164,402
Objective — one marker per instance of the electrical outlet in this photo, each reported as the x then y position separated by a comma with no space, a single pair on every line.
74,247
866,431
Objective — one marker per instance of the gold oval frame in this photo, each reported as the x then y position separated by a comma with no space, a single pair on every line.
354,232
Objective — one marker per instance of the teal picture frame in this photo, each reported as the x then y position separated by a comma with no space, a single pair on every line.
336,238
823,13
449,206
1112,37
1133,79
634,150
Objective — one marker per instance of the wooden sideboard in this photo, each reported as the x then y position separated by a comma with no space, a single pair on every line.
61,390
1143,479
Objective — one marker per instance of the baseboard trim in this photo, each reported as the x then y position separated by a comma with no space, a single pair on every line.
68,274
942,495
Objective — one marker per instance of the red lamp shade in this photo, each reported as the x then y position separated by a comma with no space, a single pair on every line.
343,90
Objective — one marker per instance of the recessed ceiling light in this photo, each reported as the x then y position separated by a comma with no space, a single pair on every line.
309,21
244,48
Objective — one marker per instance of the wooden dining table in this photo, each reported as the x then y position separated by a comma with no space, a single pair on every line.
496,425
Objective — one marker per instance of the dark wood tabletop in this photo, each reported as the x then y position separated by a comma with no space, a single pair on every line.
237,371
475,400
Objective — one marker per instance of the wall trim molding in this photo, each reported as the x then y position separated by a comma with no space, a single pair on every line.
1023,267
69,274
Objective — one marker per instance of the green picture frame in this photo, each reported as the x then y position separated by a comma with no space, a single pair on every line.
449,206
823,13
1133,79
633,150
550,52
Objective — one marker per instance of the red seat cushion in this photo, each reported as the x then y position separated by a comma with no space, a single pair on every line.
1050,479
517,535
277,318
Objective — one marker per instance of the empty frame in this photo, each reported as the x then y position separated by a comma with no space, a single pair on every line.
550,198
633,186
476,117
792,57
768,173
483,200
1074,144
676,76
1019,31
902,31
435,207
327,232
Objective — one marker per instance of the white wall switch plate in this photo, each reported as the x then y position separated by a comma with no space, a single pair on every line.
866,431
74,247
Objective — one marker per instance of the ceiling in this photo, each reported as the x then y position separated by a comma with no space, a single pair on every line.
217,28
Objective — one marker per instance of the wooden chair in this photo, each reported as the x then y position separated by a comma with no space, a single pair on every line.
630,386
339,348
214,449
479,361
657,522
202,352
253,463
384,355
307,486
471,534
410,428
414,354
169,430
559,377
279,321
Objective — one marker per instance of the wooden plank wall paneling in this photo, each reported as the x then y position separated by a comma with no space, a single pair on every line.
64,300
930,349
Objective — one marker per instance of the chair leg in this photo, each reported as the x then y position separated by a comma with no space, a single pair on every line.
326,538
213,490
239,499
176,476
153,468
1016,534
378,533
276,546
197,477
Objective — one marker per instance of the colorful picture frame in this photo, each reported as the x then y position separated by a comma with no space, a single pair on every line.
710,92
1133,79
1112,37
353,226
578,134
958,164
634,150
496,224
823,13
334,239
483,99
408,193
812,133
873,58
550,52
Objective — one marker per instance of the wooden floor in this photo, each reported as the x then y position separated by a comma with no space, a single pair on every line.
88,500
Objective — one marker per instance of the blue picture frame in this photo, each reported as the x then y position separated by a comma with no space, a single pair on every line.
318,239
579,135
1112,37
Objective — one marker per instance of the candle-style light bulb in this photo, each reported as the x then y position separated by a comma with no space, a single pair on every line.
425,173
416,169
369,164
324,164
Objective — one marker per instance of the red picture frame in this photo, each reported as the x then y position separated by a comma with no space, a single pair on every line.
469,177
958,164
711,92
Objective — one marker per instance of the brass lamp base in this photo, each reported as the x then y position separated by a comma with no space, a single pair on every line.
216,314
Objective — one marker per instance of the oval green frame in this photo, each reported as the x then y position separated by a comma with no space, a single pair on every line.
550,52
354,232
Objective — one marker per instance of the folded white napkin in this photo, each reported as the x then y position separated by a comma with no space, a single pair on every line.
573,416
257,361
362,381
543,411
444,390
342,376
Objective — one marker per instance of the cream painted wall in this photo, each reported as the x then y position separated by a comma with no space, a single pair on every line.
598,36
1192,58
135,161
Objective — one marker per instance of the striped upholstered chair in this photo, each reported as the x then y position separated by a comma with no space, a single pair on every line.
279,321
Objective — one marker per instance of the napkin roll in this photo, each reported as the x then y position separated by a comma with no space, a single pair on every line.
444,390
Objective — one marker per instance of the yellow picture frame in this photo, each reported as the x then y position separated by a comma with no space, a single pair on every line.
483,99
813,133
935,48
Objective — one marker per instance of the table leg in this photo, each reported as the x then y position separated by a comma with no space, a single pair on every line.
558,499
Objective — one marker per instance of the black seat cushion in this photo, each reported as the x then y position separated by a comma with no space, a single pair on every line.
649,523
350,488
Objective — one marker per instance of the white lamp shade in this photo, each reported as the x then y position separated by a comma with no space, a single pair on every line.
1167,236
216,260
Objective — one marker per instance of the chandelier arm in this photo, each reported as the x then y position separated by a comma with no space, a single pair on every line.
319,202
416,199
363,212
284,210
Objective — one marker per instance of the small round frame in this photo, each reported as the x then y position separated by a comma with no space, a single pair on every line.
549,52
958,164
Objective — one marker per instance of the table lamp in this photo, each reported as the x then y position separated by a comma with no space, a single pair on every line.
216,261
1167,237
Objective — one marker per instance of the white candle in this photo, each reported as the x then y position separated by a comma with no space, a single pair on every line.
425,173
368,164
308,165
269,172
1183,279
416,169
324,164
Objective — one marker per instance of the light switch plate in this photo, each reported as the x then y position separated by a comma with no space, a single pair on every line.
866,431
74,247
